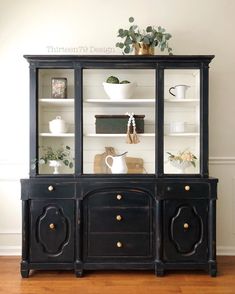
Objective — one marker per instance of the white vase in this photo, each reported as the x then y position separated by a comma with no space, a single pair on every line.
180,165
55,164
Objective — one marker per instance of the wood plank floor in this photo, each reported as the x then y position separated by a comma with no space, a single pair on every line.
116,282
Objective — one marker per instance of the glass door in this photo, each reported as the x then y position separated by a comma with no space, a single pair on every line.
119,121
182,121
55,121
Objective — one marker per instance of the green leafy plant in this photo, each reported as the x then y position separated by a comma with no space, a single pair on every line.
61,154
151,36
115,80
184,156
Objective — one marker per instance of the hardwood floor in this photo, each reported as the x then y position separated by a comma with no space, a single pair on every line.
116,282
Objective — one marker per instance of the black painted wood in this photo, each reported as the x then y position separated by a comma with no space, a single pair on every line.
153,208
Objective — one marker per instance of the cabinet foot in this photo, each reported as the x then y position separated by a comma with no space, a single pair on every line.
159,272
79,273
213,269
24,269
24,273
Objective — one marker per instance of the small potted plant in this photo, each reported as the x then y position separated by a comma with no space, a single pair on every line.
143,41
117,90
182,160
55,158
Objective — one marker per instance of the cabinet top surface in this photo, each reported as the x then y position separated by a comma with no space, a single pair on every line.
121,58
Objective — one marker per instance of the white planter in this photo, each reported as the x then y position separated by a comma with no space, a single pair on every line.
55,164
119,91
181,165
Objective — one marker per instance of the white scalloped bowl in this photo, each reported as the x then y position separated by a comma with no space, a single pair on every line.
119,91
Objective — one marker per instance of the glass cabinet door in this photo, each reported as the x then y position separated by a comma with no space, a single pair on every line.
181,121
55,121
110,97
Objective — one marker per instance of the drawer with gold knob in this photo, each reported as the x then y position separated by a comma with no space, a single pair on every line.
119,245
121,198
52,189
185,189
119,219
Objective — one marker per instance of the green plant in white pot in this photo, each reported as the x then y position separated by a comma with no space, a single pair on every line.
55,158
143,41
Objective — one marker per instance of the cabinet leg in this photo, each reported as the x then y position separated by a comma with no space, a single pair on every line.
79,273
159,272
213,269
159,269
24,269
24,273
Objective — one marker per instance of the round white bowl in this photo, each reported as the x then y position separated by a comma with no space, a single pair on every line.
181,165
119,91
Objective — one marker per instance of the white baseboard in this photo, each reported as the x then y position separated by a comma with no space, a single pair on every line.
10,250
226,250
16,250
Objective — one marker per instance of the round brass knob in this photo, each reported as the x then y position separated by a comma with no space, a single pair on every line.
119,197
52,226
119,217
119,244
186,226
50,188
187,188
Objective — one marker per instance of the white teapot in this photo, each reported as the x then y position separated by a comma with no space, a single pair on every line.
57,126
119,163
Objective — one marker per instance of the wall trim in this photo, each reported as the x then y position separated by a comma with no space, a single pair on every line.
10,250
226,250
223,160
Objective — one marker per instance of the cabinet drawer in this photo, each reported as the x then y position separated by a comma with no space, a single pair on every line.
119,220
185,190
119,198
119,245
52,190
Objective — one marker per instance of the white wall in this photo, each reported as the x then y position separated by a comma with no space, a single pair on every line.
40,27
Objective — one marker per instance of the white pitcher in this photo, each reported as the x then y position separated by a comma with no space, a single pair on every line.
119,163
180,91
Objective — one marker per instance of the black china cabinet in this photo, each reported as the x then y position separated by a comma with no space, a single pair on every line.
99,198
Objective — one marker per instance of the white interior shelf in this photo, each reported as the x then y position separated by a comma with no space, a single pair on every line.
56,101
182,134
56,135
121,101
117,135
181,100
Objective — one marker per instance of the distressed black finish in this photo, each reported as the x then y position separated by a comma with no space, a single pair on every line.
89,222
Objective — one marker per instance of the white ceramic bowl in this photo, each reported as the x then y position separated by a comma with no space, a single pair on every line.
119,91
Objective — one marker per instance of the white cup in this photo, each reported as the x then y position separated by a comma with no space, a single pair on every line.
180,91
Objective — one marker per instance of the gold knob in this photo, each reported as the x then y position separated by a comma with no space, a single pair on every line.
186,226
119,218
119,197
52,226
119,244
187,188
50,188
